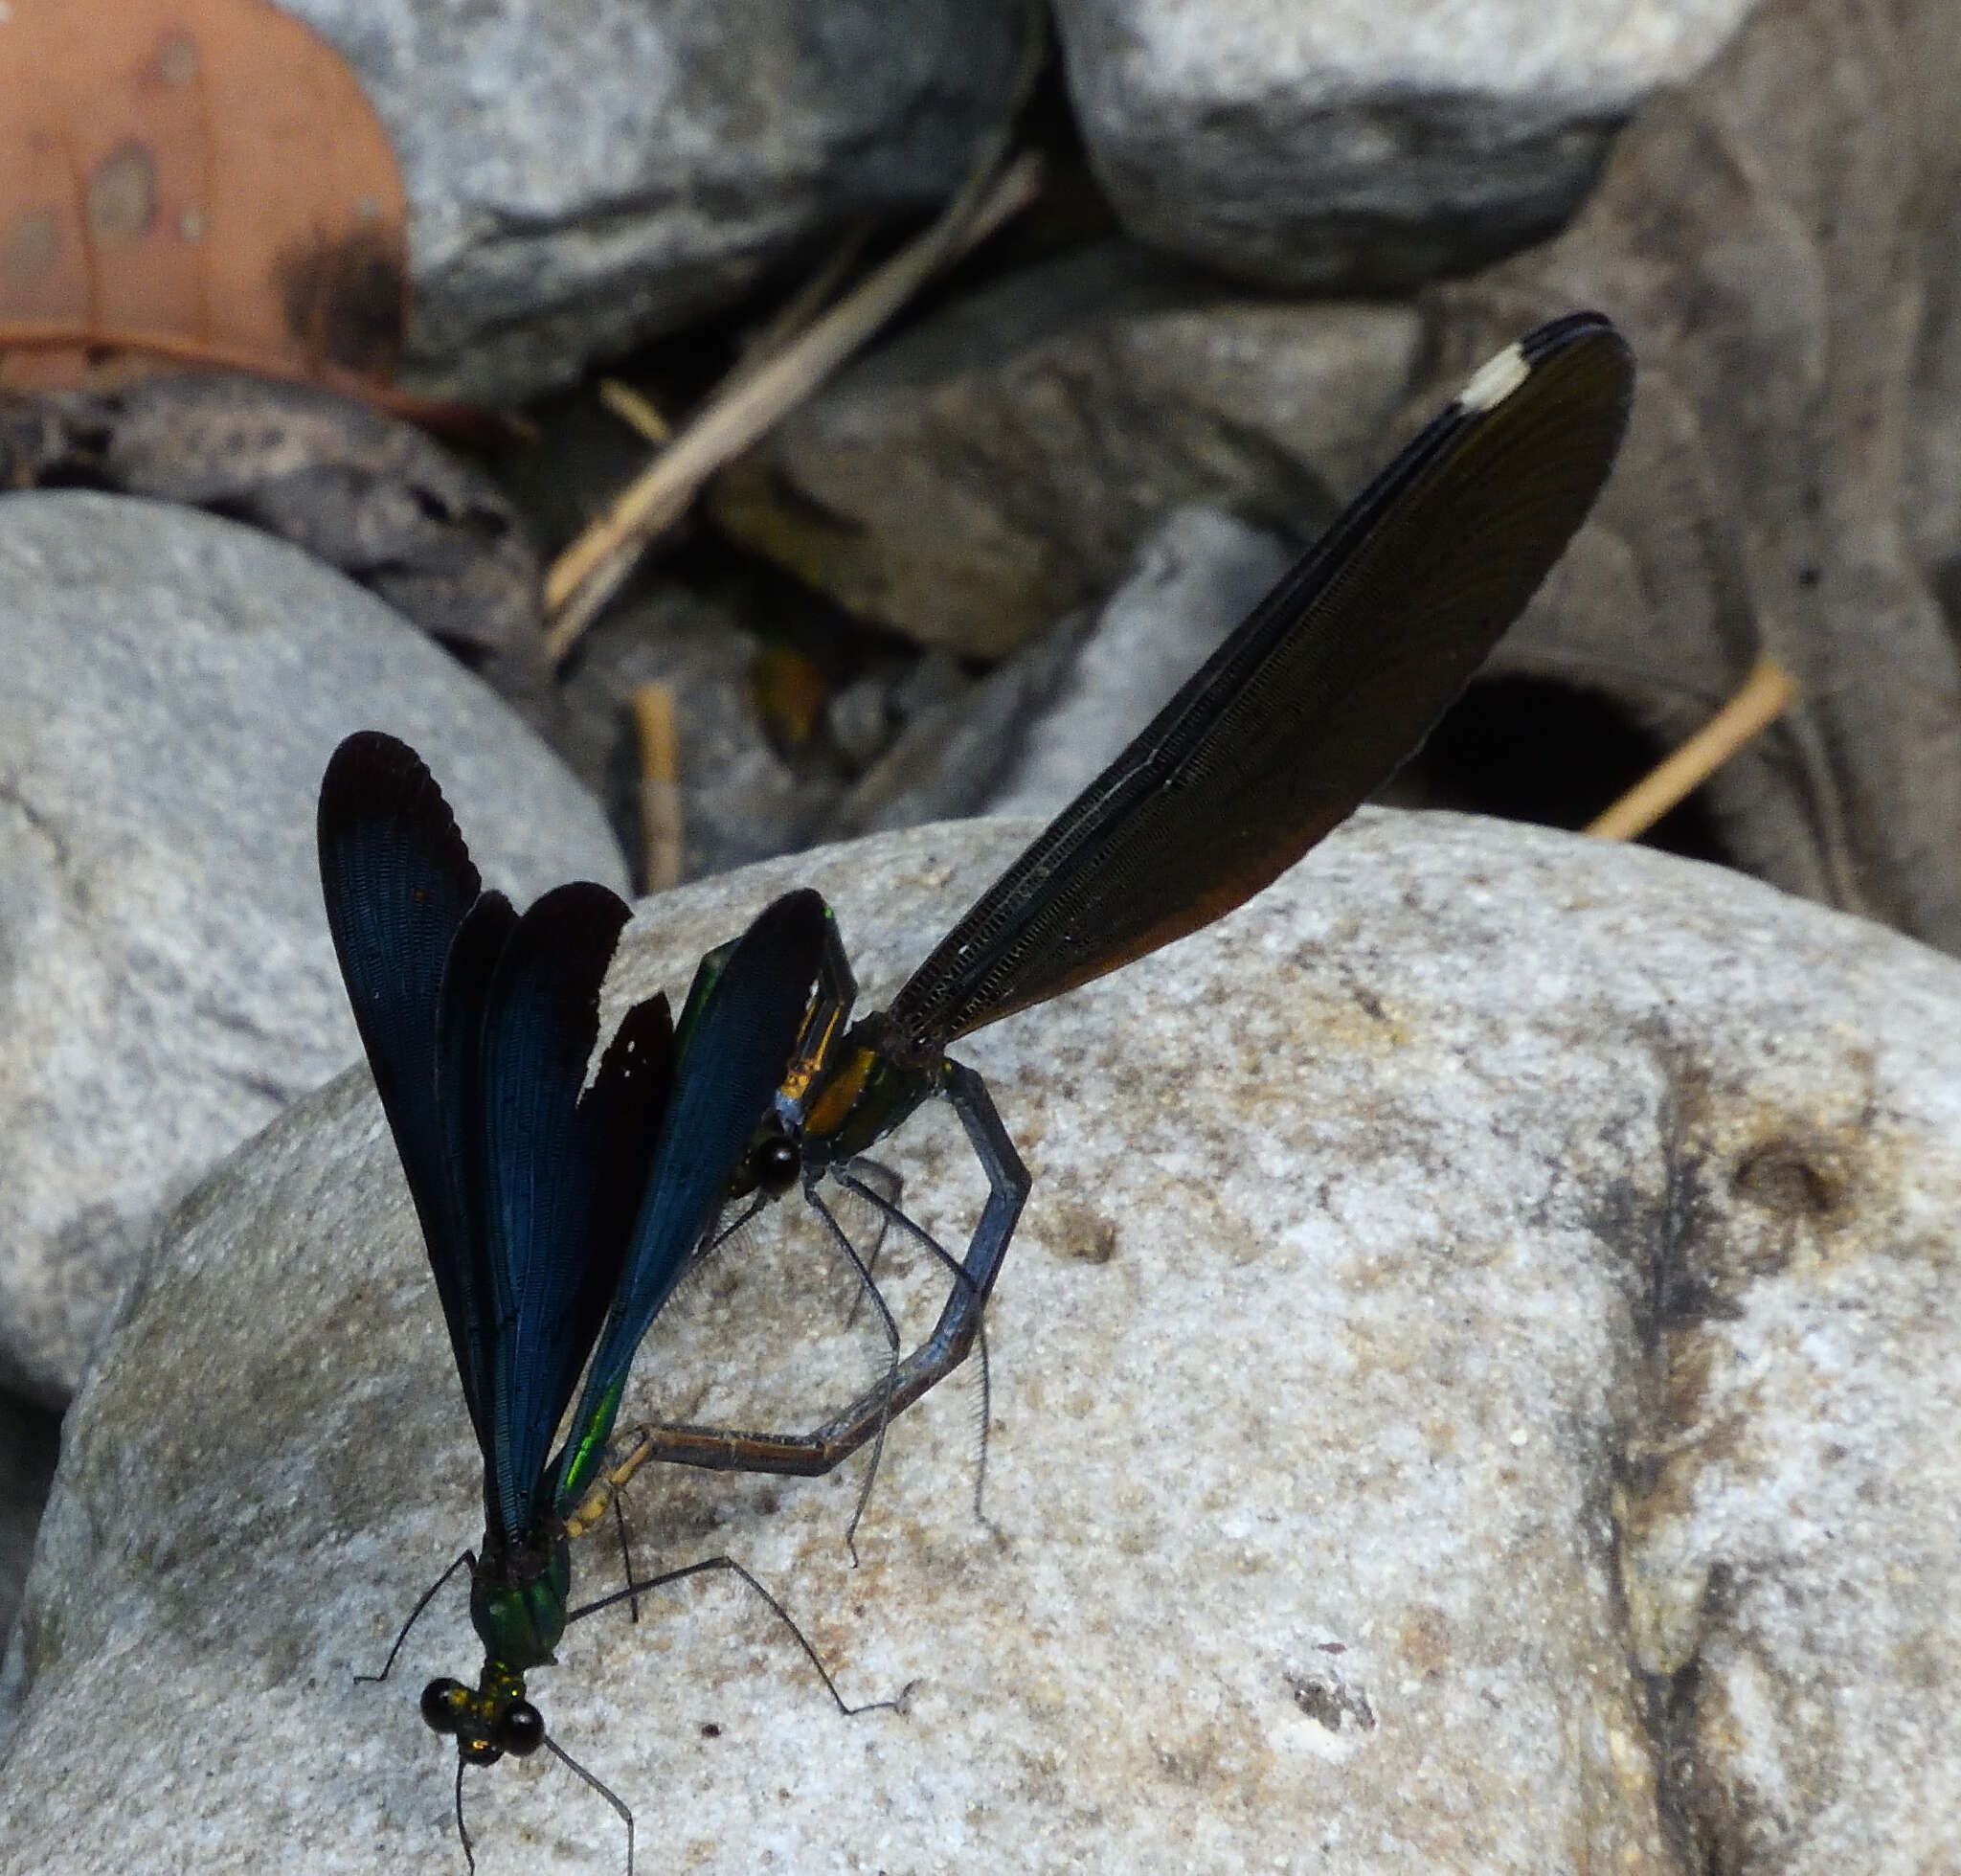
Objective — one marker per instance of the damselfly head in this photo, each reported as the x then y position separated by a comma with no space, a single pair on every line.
776,1163
485,1722
770,1164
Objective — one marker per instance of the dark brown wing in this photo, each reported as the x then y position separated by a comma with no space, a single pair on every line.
1315,701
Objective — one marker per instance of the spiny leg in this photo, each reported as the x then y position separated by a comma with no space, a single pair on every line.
605,1791
626,1569
776,1608
468,1559
876,1174
462,1830
714,1239
811,1454
958,1274
891,1336
986,1411
962,1318
1009,1184
625,1457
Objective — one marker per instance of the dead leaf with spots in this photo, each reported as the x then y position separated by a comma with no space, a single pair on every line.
204,183
199,180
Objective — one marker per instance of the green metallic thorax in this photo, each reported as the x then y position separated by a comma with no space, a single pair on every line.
864,1093
517,1602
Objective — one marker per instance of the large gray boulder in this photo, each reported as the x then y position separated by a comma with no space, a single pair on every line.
1473,1390
1355,144
173,687
592,173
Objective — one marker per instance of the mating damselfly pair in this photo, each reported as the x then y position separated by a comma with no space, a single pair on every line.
561,1201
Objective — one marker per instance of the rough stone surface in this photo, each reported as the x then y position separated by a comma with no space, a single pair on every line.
998,465
584,173
1197,578
174,687
1356,145
1472,1390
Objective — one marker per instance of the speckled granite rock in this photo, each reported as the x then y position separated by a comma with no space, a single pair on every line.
1353,144
1474,1391
173,687
589,172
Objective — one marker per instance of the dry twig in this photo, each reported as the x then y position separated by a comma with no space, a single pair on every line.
1765,694
753,400
796,312
635,409
659,786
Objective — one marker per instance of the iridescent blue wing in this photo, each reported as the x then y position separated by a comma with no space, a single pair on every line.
736,1039
462,1262
400,886
562,1173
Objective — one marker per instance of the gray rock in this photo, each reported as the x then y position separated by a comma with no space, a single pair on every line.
590,174
932,683
1197,578
998,465
174,687
860,718
1932,495
951,757
1356,147
1472,1390
29,1441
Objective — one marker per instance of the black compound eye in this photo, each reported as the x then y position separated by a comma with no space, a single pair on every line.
778,1162
440,1704
521,1730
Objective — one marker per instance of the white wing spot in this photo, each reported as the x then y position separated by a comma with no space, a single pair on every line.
1495,380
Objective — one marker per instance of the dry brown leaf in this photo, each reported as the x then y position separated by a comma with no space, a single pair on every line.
791,690
190,177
